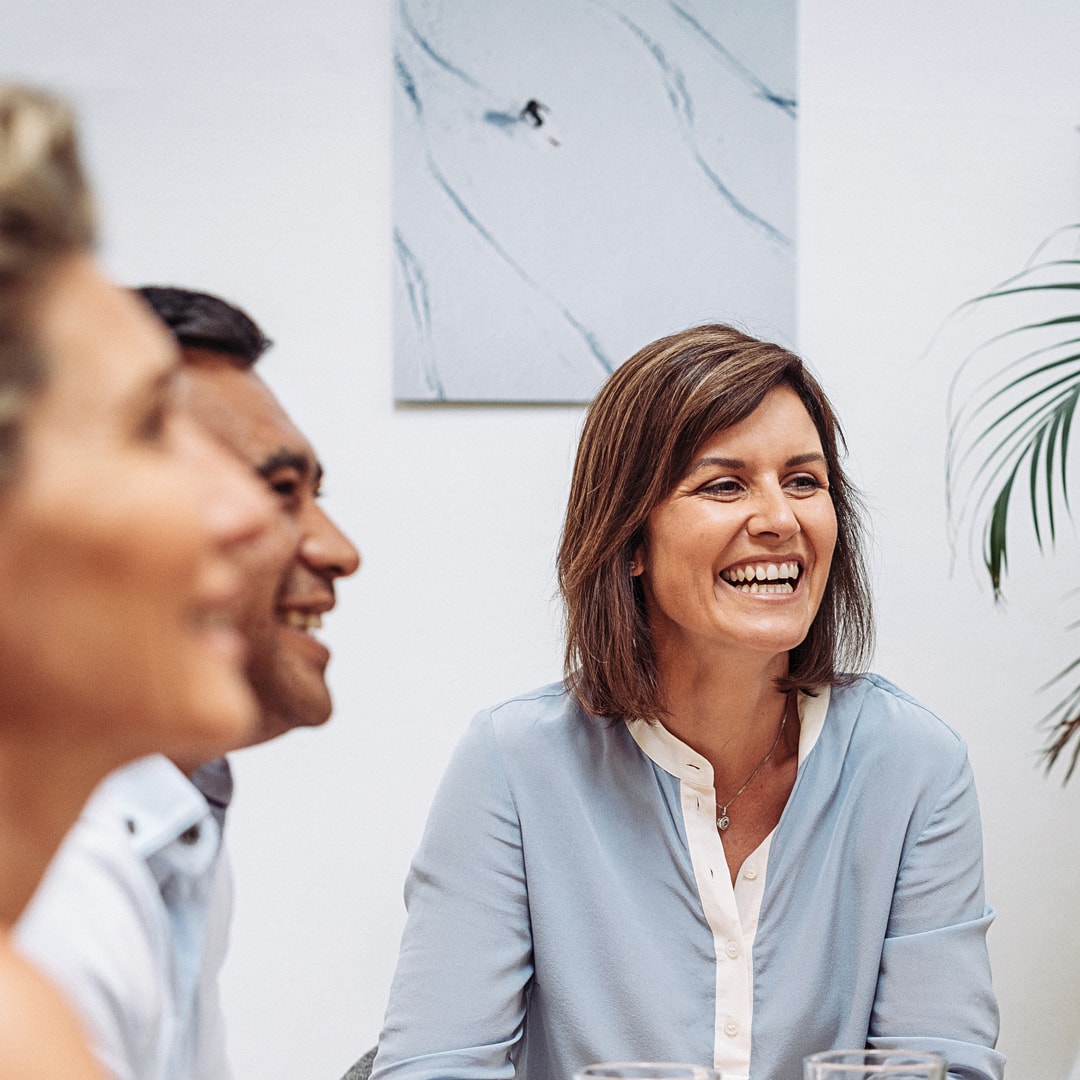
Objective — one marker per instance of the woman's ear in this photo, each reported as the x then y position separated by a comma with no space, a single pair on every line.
637,562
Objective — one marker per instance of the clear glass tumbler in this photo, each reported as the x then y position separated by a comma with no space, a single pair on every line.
874,1065
646,1070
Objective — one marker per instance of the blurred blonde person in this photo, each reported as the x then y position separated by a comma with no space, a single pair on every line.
147,861
119,527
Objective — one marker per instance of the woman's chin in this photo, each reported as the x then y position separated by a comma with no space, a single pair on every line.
221,715
225,643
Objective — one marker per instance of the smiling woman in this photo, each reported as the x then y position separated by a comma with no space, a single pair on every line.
713,842
119,523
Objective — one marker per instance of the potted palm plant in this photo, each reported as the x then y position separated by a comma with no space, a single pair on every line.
1011,410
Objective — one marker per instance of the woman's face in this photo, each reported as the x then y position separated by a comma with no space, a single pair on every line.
737,556
118,534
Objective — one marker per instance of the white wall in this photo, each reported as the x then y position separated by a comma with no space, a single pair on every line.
939,145
244,147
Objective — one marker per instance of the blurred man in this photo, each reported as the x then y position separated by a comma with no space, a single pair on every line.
132,918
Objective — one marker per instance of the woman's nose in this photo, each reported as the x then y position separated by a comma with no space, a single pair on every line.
773,513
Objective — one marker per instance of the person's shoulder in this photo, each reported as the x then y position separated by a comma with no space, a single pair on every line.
548,715
39,1036
881,711
545,702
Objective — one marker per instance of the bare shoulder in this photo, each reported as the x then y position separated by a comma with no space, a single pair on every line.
39,1036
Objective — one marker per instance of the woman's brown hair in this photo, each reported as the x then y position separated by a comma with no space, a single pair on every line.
638,442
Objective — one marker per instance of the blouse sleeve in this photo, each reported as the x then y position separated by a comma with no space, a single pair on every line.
935,970
457,1001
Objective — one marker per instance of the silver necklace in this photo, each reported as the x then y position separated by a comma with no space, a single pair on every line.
722,819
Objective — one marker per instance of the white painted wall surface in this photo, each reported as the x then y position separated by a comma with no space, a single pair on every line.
244,147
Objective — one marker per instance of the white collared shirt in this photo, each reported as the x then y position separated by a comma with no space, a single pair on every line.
131,921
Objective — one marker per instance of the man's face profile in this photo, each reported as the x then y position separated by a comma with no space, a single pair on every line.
290,576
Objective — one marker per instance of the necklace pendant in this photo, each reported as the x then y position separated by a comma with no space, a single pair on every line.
723,821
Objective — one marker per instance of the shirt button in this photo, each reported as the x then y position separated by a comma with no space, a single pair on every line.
749,873
732,949
190,836
731,1029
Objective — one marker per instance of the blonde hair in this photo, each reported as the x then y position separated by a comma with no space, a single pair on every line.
639,438
46,213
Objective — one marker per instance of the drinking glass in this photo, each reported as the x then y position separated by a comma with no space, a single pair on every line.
646,1070
874,1065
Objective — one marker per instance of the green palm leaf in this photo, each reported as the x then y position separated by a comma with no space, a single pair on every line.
1009,436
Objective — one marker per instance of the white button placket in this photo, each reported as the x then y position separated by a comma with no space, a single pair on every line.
734,986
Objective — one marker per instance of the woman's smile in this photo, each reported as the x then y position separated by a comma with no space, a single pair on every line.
763,578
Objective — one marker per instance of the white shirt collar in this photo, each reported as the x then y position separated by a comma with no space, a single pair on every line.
161,808
675,757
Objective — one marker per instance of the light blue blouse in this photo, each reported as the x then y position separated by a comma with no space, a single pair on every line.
557,918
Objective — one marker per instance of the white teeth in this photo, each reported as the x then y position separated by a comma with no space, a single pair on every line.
782,572
767,587
301,621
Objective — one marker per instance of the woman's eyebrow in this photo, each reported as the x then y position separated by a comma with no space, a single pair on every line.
738,463
719,462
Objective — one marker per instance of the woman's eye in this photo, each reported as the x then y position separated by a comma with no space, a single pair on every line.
804,484
722,488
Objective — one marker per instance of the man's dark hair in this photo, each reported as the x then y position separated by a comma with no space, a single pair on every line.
200,320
